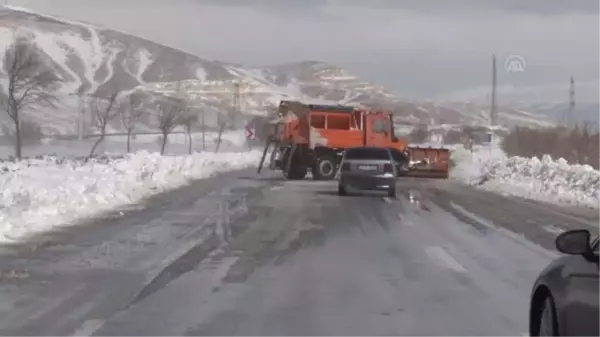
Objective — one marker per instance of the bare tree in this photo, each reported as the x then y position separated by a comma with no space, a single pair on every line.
188,119
130,113
3,98
578,144
31,83
169,115
222,120
103,111
81,113
203,128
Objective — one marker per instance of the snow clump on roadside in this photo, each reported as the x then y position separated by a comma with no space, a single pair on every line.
545,179
42,193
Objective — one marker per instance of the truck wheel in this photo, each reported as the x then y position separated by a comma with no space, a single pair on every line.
325,168
296,172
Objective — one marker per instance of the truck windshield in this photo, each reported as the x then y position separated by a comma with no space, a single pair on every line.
367,153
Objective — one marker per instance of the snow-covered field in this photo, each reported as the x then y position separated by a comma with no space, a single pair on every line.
548,180
231,141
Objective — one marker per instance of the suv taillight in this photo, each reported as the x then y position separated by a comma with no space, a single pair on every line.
388,168
345,167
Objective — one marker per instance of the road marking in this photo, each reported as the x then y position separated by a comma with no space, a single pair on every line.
221,272
520,239
387,200
439,254
405,221
276,188
89,327
553,229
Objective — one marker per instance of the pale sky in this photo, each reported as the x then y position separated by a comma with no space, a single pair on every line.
420,48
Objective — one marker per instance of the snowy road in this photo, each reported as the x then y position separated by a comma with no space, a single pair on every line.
235,255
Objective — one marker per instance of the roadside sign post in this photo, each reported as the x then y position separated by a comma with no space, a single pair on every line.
250,135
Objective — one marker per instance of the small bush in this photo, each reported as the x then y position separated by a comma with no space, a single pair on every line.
577,145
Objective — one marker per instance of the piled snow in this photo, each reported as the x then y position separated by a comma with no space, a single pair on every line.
39,194
548,180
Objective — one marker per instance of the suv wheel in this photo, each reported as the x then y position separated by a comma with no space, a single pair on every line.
392,192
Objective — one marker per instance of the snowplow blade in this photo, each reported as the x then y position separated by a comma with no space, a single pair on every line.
429,162
421,173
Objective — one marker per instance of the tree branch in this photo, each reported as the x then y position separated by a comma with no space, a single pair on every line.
31,82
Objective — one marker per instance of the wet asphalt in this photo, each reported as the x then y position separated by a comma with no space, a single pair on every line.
241,254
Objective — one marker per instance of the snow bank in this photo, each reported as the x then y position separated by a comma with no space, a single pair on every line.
39,194
548,180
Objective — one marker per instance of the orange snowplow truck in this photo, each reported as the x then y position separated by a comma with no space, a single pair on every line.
313,137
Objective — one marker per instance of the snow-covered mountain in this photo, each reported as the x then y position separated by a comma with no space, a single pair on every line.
103,61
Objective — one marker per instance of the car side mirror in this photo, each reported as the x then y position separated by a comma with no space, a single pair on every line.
574,242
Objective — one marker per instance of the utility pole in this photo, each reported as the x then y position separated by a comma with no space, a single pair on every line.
493,120
237,109
569,114
236,103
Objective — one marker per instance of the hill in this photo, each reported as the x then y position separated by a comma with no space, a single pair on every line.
101,61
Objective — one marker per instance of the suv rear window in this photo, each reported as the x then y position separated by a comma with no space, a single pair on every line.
367,153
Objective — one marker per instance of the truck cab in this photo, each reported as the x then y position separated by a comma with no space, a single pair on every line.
379,131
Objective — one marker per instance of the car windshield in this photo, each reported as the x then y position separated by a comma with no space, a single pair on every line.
367,153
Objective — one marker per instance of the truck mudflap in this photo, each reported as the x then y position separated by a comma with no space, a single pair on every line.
428,162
